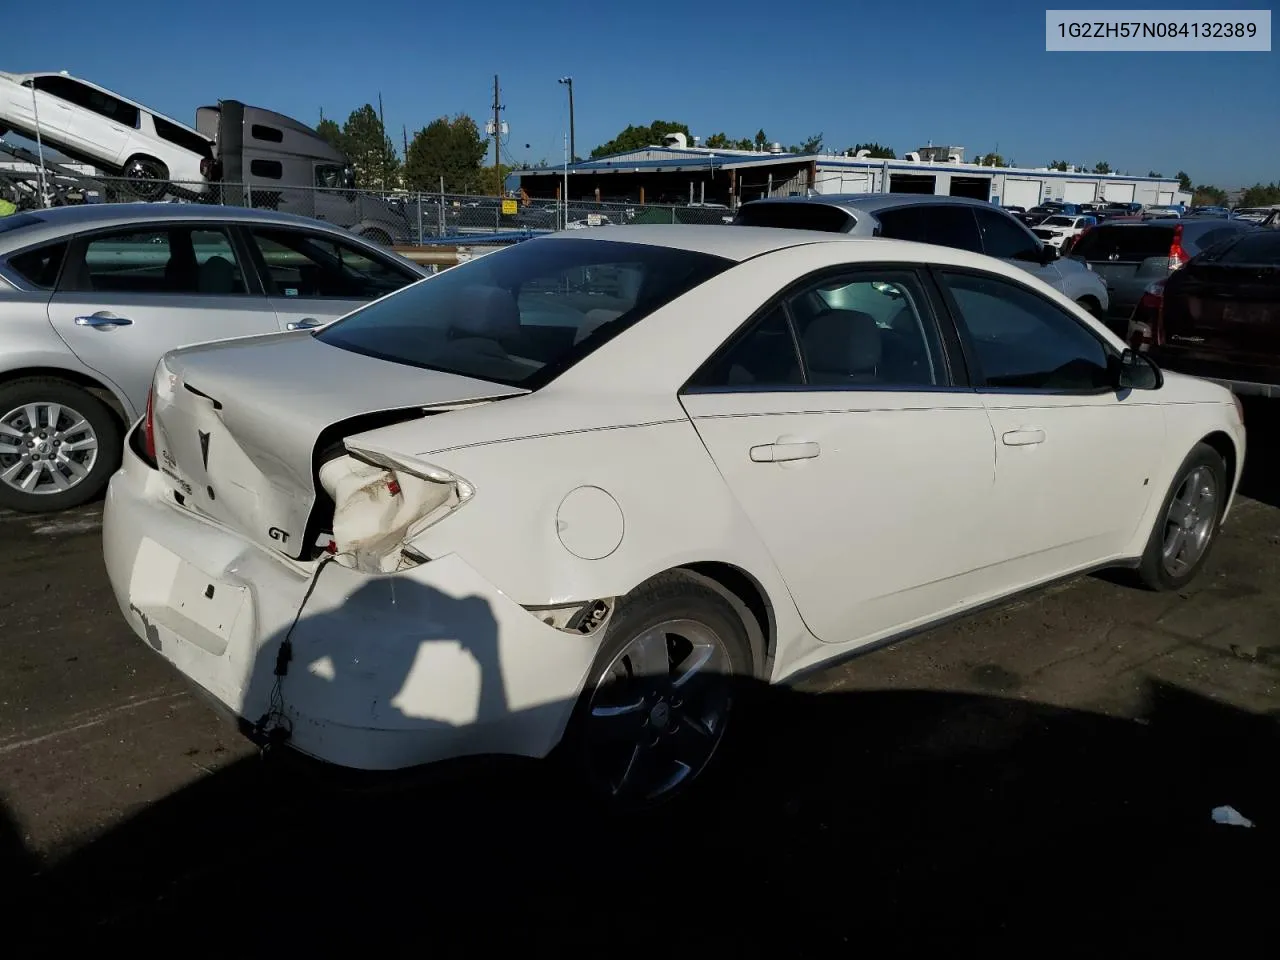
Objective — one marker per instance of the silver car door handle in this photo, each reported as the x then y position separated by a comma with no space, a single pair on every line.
102,320
1023,438
304,324
782,452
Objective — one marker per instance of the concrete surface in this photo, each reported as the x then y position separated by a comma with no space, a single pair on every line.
1050,766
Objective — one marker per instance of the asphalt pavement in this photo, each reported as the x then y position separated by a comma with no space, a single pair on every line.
1034,776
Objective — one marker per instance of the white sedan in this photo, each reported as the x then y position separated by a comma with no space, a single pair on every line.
559,494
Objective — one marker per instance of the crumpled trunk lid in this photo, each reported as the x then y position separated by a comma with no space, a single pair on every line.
240,425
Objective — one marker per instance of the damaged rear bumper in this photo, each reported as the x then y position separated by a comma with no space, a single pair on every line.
388,671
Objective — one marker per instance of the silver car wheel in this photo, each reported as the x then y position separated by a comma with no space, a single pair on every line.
46,448
1190,521
659,710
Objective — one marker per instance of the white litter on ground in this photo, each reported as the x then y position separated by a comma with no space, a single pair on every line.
1231,817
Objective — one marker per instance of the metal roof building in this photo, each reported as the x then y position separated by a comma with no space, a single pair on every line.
679,174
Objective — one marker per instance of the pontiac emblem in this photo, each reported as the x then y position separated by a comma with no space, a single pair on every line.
204,447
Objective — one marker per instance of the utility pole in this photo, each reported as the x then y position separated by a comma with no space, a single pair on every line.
497,136
382,163
573,155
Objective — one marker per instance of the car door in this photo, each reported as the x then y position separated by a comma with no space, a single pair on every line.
52,112
128,295
1006,239
1074,457
313,276
865,465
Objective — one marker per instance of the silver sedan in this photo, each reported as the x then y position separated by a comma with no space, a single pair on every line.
92,296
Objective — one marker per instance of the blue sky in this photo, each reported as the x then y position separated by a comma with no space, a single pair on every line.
973,74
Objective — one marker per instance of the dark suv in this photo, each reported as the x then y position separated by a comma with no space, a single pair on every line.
1130,256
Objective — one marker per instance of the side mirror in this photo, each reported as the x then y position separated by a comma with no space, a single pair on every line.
1048,253
1137,371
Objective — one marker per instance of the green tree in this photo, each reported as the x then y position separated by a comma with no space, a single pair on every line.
1152,173
1261,195
637,138
1059,165
991,160
1207,195
718,141
451,148
1102,167
876,150
331,132
372,154
1184,180
761,141
812,145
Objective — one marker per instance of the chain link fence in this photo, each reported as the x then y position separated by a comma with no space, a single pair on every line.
391,219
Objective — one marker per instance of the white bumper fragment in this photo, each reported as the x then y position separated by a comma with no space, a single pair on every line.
388,670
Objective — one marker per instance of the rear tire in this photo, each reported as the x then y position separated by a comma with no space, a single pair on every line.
1188,523
148,177
672,671
77,438
1092,306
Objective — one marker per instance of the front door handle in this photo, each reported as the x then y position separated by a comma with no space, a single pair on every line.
781,452
304,324
1023,438
102,319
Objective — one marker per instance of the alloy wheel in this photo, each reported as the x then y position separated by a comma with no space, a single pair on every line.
46,448
1190,521
659,711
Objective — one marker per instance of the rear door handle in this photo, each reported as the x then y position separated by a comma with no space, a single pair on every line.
102,319
1023,438
781,452
304,324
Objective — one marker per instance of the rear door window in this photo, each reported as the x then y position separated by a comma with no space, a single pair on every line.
1126,244
945,225
1248,247
1003,238
158,260
796,216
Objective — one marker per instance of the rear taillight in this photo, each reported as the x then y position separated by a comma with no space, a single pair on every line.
1177,255
149,427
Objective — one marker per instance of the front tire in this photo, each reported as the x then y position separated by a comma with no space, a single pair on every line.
59,445
657,703
1188,522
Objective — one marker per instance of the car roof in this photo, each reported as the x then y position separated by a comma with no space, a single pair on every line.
741,243
736,243
57,222
872,202
20,77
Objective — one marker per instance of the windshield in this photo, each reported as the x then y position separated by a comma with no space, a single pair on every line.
1059,222
523,315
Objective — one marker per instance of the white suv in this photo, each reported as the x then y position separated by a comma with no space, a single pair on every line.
95,126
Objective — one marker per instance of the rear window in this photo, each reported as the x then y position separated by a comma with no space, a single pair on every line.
524,315
796,216
183,138
1125,243
1253,248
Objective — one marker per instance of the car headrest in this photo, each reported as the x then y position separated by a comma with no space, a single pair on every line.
217,275
842,342
488,312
